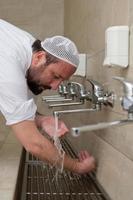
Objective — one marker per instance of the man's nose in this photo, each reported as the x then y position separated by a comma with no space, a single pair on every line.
55,84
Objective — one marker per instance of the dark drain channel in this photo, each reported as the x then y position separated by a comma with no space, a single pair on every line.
39,182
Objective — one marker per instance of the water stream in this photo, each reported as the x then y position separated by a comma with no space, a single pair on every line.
59,161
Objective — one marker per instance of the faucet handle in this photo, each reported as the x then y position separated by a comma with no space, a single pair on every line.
127,100
100,96
60,89
128,86
80,90
71,90
65,91
97,88
109,98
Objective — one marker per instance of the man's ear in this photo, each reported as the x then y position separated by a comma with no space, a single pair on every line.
38,58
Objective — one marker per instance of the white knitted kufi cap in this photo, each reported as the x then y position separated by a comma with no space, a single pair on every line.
62,48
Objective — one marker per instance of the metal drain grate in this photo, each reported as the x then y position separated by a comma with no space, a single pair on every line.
39,182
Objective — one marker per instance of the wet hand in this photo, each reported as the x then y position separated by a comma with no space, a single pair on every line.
86,162
48,125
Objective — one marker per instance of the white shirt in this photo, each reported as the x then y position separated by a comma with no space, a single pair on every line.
15,58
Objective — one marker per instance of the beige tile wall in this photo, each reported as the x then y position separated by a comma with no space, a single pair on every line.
86,22
40,17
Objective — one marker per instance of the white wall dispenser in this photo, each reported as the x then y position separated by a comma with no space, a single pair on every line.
117,46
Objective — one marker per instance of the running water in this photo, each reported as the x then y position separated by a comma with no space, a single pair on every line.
61,152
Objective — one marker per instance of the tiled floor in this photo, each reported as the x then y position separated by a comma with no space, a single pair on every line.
10,152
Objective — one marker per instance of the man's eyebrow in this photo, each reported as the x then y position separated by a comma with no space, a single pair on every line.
59,76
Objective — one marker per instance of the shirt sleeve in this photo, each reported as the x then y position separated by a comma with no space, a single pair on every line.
16,110
15,103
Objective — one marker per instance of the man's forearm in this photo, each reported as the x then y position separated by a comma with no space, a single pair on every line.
48,152
38,119
34,142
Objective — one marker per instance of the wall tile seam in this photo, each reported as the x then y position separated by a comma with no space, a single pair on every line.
114,147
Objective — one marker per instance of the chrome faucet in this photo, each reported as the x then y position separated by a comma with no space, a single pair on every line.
127,105
81,92
56,96
75,91
63,92
60,89
60,112
127,100
99,96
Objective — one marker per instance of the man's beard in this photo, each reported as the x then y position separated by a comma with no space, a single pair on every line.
34,86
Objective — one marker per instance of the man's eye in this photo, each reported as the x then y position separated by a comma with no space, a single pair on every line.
56,77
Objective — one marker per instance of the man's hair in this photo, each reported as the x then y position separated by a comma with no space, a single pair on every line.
36,46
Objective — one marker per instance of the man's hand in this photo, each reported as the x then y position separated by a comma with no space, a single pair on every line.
86,162
47,124
35,143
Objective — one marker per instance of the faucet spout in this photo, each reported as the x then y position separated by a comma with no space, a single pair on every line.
57,100
52,97
60,112
75,131
66,104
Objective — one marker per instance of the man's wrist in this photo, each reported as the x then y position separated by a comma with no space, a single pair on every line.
75,166
78,167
